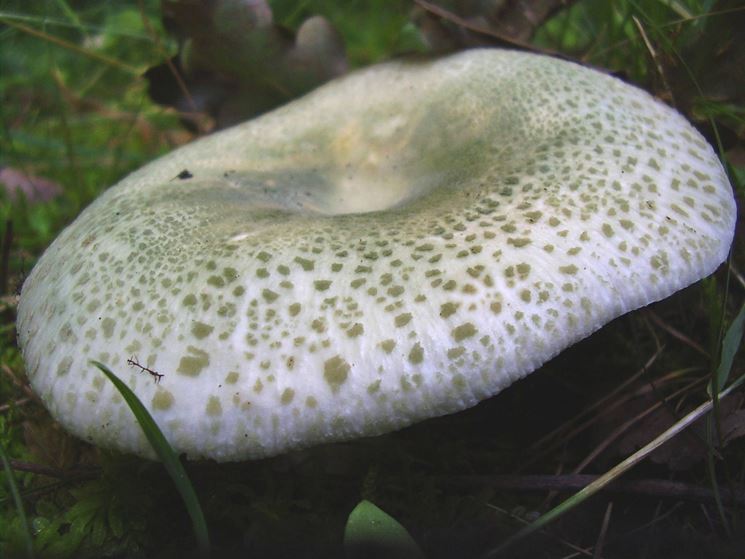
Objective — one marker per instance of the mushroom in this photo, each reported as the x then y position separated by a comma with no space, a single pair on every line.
399,244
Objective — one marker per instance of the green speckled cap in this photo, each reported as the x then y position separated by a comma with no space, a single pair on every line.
400,244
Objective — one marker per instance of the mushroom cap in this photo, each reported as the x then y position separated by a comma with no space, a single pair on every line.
400,244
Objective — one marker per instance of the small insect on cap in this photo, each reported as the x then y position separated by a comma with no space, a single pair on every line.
399,244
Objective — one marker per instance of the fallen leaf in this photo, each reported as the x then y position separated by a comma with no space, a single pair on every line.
33,188
684,451
455,24
733,427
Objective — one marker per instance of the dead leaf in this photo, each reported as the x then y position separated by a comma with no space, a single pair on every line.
50,445
455,24
684,451
709,68
733,427
33,188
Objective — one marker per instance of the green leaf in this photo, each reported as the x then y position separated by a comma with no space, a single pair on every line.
411,39
60,539
115,521
730,345
371,533
167,455
98,532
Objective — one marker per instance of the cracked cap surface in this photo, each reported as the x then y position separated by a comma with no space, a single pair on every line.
399,244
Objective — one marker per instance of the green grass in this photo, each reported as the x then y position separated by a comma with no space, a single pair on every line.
20,511
730,347
167,456
75,111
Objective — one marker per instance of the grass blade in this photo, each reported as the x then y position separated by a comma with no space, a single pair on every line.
730,345
612,474
19,504
167,455
72,47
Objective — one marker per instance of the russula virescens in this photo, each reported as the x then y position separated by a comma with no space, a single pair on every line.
399,244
